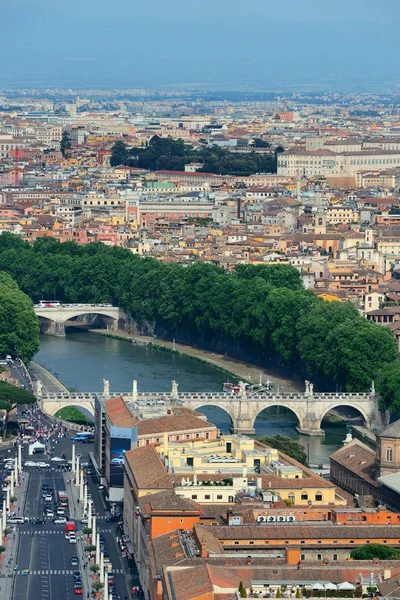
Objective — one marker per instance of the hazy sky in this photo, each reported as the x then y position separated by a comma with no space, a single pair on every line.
132,43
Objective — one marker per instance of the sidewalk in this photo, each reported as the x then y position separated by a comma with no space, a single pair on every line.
12,545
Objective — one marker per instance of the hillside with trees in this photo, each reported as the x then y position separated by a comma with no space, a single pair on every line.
172,155
259,313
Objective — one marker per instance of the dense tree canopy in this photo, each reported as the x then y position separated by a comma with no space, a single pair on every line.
169,154
19,326
371,551
262,311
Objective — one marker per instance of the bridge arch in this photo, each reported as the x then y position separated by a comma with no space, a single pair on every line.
219,421
51,407
261,409
354,406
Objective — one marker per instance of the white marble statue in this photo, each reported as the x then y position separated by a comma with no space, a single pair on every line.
106,387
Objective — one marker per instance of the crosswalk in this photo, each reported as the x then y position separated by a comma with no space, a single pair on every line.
56,572
53,531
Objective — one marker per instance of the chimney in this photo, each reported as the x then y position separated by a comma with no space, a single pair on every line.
244,470
203,553
179,555
259,483
387,573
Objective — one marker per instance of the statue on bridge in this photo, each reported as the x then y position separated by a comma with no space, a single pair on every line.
174,390
309,388
39,389
242,388
106,387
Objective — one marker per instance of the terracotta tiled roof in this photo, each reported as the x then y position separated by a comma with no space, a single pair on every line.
171,423
167,501
296,531
358,458
147,468
119,413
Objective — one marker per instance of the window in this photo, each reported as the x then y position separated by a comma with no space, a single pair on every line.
389,454
292,498
304,496
194,496
334,556
318,497
302,557
251,543
219,496
351,541
236,543
180,520
207,497
169,520
319,556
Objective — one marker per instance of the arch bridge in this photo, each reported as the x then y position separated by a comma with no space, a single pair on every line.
243,408
53,318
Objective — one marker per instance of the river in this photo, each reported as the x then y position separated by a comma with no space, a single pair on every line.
81,360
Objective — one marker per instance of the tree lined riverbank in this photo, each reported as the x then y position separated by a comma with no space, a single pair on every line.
233,368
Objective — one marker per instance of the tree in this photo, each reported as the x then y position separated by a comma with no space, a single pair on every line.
286,445
388,387
260,143
65,143
11,397
119,154
371,551
19,326
242,590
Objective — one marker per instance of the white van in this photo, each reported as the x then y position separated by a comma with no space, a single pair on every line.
15,520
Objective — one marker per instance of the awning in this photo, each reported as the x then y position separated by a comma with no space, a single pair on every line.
346,586
318,586
330,586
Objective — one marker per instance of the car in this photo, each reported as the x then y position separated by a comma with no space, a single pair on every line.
84,521
76,575
30,463
15,520
60,511
117,461
74,561
48,498
78,590
59,520
42,465
49,514
39,521
72,538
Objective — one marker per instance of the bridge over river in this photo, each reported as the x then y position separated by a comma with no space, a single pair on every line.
53,316
243,407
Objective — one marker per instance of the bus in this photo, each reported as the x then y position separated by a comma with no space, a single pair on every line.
86,437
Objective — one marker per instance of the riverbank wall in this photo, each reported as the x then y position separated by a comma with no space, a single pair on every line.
234,368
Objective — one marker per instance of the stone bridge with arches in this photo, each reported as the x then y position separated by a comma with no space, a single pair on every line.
53,318
243,407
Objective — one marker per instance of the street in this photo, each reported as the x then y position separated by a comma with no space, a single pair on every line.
43,552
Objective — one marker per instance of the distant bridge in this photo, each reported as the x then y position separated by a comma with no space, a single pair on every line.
243,408
52,319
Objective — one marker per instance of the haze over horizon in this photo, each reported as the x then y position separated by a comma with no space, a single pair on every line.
250,44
